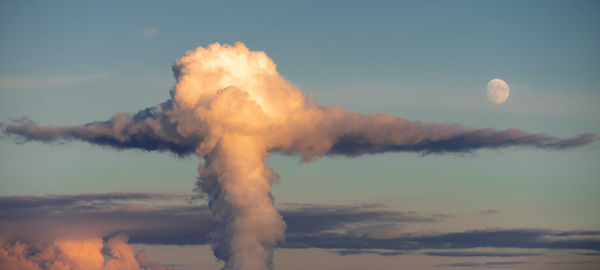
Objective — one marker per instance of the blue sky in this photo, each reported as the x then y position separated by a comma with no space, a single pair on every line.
74,62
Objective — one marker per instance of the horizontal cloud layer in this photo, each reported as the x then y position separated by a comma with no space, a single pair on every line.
339,132
172,218
483,265
149,129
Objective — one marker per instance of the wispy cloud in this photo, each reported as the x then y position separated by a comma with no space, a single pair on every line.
588,253
489,212
483,265
490,238
347,252
150,32
480,254
572,263
39,83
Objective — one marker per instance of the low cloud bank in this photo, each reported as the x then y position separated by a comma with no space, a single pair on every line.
179,219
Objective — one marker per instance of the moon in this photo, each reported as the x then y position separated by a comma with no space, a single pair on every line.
497,91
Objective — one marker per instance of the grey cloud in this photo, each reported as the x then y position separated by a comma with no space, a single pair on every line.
32,202
370,135
150,129
163,218
310,219
489,212
572,263
588,253
163,128
507,238
347,252
480,254
174,218
483,265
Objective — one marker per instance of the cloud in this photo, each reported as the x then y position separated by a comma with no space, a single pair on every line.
149,129
446,139
180,219
102,214
89,253
355,219
347,252
97,199
483,265
480,254
152,129
492,238
489,212
231,107
173,218
38,83
572,263
588,253
150,33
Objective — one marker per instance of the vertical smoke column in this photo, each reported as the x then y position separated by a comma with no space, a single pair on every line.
239,183
235,98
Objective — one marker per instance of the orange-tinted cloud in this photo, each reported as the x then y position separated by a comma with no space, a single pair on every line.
90,253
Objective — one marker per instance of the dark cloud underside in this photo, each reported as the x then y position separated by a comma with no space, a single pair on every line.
352,229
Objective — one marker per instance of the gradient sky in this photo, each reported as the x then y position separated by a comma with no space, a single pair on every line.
74,62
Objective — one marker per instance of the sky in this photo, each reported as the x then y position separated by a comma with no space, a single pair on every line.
520,207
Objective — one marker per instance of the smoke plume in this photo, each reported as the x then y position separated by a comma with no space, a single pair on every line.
231,107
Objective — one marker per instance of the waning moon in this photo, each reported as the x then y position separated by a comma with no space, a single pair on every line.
497,91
